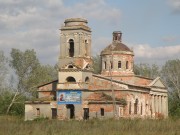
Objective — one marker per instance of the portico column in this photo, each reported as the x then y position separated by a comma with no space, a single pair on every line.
132,107
166,106
156,100
160,105
162,102
152,104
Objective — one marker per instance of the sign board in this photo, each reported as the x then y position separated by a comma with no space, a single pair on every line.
69,97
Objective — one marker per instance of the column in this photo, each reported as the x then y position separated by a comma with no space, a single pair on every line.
152,104
160,104
166,106
156,103
132,107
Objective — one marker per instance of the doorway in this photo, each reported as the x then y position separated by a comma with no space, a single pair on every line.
70,111
54,113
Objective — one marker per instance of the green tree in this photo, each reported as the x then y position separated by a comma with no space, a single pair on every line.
171,75
97,64
3,70
30,73
42,74
146,70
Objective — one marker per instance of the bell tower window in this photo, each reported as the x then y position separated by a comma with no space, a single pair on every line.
71,48
86,47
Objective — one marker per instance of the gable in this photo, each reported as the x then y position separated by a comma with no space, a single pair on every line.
157,83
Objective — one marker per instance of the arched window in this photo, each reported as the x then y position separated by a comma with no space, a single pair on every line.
71,48
136,106
105,65
70,66
127,65
70,79
87,79
111,64
87,66
86,47
119,64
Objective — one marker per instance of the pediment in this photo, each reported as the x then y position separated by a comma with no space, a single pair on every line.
157,83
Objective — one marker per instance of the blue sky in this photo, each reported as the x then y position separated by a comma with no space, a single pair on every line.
151,28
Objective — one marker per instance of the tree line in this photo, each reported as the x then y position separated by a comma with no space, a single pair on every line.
22,73
19,77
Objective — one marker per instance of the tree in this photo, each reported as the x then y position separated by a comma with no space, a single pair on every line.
146,70
97,64
171,75
3,70
30,73
24,63
42,74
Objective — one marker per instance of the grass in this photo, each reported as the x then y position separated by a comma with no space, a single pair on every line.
16,126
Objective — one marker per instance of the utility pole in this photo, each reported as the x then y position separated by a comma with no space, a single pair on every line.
112,88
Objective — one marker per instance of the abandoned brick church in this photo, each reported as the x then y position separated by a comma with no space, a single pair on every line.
80,94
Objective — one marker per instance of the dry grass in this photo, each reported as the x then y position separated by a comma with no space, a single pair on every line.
16,126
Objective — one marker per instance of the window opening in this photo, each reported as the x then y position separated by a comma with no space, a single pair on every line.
105,65
70,66
86,47
102,111
136,106
127,65
111,64
38,111
87,79
70,79
119,64
71,48
86,113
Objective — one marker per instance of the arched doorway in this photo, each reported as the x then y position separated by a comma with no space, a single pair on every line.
70,111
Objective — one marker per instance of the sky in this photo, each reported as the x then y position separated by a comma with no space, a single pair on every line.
151,28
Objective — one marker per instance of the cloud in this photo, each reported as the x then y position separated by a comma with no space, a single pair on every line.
170,39
146,53
175,4
34,24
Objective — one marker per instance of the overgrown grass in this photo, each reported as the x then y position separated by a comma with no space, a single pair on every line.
16,126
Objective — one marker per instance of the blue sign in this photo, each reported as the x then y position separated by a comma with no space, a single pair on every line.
69,97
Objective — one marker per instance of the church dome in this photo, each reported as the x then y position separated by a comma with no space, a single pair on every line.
116,46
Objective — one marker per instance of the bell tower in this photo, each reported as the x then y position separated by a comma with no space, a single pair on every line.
75,54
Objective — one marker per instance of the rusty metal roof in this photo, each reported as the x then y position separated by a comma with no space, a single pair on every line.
116,46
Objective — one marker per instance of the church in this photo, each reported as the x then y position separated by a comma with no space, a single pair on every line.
80,94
